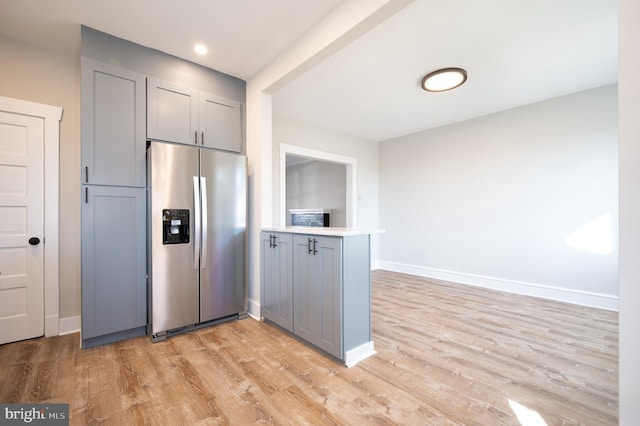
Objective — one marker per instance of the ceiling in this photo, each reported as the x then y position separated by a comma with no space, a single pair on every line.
515,52
242,35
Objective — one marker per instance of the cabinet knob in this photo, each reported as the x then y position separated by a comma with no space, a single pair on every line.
34,241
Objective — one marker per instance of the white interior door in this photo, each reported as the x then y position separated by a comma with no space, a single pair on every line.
21,219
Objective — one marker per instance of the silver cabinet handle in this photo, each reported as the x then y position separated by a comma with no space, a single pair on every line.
195,137
202,140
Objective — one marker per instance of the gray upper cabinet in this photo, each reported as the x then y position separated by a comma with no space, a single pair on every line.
172,112
113,125
220,122
181,114
277,294
113,263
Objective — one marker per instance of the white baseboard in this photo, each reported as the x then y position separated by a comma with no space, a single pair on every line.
576,297
254,309
51,325
69,325
357,354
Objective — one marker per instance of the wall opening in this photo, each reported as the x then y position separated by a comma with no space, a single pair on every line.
302,183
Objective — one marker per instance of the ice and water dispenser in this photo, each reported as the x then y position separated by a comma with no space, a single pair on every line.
175,226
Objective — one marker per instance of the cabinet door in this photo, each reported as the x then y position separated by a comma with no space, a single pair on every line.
304,312
113,260
317,278
277,290
220,122
327,282
113,125
172,112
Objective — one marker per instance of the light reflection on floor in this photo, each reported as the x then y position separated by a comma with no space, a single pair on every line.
526,416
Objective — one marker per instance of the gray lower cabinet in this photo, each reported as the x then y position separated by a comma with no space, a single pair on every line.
277,284
114,283
325,291
317,290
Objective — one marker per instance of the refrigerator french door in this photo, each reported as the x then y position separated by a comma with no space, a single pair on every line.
197,219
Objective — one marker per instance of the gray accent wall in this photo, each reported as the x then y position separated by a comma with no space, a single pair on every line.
116,51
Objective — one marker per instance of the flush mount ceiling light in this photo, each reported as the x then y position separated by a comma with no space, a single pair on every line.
444,79
200,49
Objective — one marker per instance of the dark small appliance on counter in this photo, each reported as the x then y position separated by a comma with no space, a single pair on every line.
310,217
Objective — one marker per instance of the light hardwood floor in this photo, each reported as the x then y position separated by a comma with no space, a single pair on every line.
447,354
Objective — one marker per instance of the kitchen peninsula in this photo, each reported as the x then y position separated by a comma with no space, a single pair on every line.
316,284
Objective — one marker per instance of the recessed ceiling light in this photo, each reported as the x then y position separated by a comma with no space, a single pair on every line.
200,49
444,79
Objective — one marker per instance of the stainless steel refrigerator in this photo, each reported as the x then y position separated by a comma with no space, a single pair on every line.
197,210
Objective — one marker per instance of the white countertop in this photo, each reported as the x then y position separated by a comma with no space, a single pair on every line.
331,232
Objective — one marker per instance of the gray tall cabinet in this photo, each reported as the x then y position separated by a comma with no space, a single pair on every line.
113,206
123,105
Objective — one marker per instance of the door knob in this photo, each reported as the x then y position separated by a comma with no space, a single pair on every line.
34,241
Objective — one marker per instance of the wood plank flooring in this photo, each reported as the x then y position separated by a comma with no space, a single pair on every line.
448,354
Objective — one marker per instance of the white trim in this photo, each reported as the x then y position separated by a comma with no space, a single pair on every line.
52,116
350,162
254,309
357,354
568,295
70,325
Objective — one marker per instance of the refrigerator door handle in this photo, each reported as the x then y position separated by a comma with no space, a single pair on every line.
203,191
196,209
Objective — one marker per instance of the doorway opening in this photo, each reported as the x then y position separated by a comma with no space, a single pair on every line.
317,179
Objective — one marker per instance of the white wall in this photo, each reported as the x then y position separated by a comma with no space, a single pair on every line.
349,20
51,77
290,131
492,201
629,89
